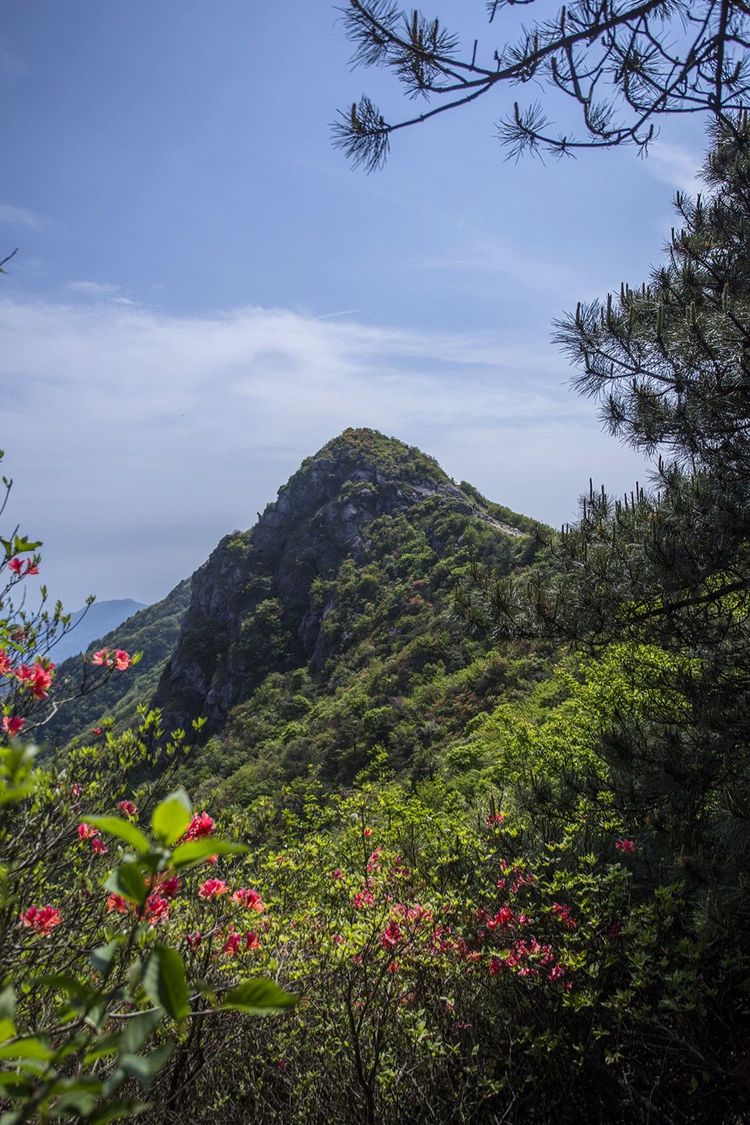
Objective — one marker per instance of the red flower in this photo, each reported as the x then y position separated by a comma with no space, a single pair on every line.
101,657
98,846
495,820
169,887
86,832
393,967
201,825
37,679
373,863
564,914
496,967
233,943
117,903
251,940
367,832
626,846
13,724
127,806
193,939
504,917
212,888
157,909
556,973
250,899
122,660
22,567
41,919
391,936
337,874
5,665
97,731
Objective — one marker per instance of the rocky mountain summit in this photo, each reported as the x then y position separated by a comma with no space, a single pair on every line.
251,609
303,639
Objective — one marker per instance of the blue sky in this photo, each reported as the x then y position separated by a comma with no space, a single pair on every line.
205,292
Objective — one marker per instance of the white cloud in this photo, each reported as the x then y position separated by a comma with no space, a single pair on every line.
99,291
137,437
20,217
676,165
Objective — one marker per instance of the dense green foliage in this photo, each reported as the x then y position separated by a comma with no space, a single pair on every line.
394,668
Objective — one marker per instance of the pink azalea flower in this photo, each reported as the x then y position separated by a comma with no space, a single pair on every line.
157,909
122,660
13,724
391,936
626,846
233,943
193,939
213,888
41,919
201,825
117,903
565,915
127,807
86,832
169,887
504,917
98,846
495,820
101,657
16,565
250,899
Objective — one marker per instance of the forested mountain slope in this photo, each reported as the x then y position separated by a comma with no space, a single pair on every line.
329,629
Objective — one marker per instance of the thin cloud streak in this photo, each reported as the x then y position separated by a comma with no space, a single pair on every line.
21,217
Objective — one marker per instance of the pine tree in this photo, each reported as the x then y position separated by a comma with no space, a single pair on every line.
622,65
670,566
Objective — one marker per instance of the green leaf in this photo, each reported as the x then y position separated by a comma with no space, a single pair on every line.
80,1102
127,881
8,1003
124,830
196,850
257,997
172,816
12,1118
136,1031
117,1111
7,1029
144,1068
27,1048
165,982
103,958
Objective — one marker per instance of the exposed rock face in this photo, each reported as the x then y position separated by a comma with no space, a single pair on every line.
251,610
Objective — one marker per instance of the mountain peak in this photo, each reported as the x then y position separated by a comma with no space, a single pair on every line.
253,607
